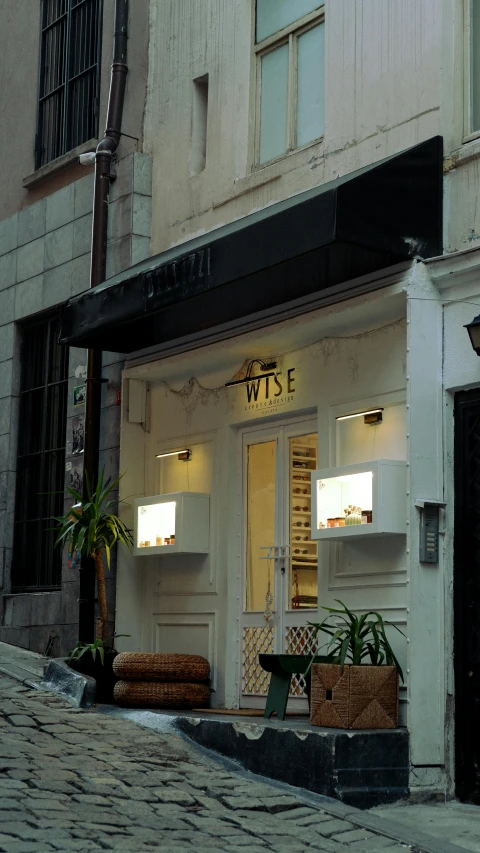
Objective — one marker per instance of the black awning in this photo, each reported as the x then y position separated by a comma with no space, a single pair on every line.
296,249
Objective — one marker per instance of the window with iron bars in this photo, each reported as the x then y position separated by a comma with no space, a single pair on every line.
41,457
69,76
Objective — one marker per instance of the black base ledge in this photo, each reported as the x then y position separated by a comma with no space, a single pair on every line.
304,246
359,768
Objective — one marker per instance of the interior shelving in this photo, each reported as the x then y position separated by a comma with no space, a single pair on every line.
303,549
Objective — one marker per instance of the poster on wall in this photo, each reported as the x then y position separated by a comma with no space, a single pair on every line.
78,435
74,559
76,475
79,395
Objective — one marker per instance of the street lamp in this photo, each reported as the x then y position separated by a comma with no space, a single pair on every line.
473,330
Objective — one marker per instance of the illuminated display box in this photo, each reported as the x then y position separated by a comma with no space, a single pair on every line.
368,499
172,524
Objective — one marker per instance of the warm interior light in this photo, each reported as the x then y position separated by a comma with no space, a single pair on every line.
155,524
359,414
184,454
336,494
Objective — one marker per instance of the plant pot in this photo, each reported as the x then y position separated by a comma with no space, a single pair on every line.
354,697
102,673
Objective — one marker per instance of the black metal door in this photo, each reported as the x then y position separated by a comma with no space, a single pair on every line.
467,595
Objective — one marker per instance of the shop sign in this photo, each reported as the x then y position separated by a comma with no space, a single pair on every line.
268,393
179,279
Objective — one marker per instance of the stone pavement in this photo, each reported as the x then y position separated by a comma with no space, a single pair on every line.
72,780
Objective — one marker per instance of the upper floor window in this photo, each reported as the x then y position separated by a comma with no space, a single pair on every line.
290,50
69,76
473,125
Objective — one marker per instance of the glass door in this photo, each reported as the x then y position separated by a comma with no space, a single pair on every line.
280,591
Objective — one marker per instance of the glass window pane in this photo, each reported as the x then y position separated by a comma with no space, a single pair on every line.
475,66
57,355
56,416
274,15
27,547
33,357
273,104
261,469
31,411
311,85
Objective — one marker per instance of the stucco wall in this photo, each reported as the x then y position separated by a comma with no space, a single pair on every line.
383,94
44,260
19,68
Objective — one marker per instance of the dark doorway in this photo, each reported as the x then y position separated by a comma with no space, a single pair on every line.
467,595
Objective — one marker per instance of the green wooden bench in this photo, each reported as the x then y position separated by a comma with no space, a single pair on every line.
282,667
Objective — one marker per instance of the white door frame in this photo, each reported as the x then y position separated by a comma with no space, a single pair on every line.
279,430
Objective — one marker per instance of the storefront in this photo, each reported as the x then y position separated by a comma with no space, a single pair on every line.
252,449
256,352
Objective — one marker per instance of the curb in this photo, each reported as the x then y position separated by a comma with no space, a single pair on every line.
417,840
21,675
78,689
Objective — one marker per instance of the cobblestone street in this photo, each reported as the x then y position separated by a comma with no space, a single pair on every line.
76,780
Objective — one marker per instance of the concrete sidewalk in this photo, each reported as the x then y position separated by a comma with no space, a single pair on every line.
455,822
26,667
451,827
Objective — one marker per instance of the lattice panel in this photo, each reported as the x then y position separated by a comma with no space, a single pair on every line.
256,641
299,641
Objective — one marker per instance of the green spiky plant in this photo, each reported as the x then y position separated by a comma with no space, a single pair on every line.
358,639
90,527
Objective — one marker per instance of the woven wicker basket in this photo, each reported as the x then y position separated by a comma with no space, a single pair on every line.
133,666
354,697
136,694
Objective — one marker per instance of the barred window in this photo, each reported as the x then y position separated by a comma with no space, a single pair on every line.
41,457
69,76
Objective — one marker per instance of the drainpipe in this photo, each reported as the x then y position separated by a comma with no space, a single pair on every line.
104,155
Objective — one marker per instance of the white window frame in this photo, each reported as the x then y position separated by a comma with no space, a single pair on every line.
288,35
469,134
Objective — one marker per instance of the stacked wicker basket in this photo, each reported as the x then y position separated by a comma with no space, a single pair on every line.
161,680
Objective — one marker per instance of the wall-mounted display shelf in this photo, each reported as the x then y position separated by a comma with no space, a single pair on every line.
354,501
172,524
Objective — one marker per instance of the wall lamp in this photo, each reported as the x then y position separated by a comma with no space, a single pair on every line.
473,330
183,455
372,417
269,366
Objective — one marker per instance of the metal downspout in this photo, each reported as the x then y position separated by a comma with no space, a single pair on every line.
105,152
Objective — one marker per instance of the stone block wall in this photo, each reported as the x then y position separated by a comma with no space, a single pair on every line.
44,260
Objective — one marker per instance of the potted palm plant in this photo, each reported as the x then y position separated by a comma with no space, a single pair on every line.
358,687
92,529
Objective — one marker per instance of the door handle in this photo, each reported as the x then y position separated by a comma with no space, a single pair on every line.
275,552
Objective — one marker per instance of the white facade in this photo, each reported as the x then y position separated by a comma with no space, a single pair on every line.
383,94
395,74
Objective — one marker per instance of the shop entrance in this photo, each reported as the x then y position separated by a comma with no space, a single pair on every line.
467,595
280,559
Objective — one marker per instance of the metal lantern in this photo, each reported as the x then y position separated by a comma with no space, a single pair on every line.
473,329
